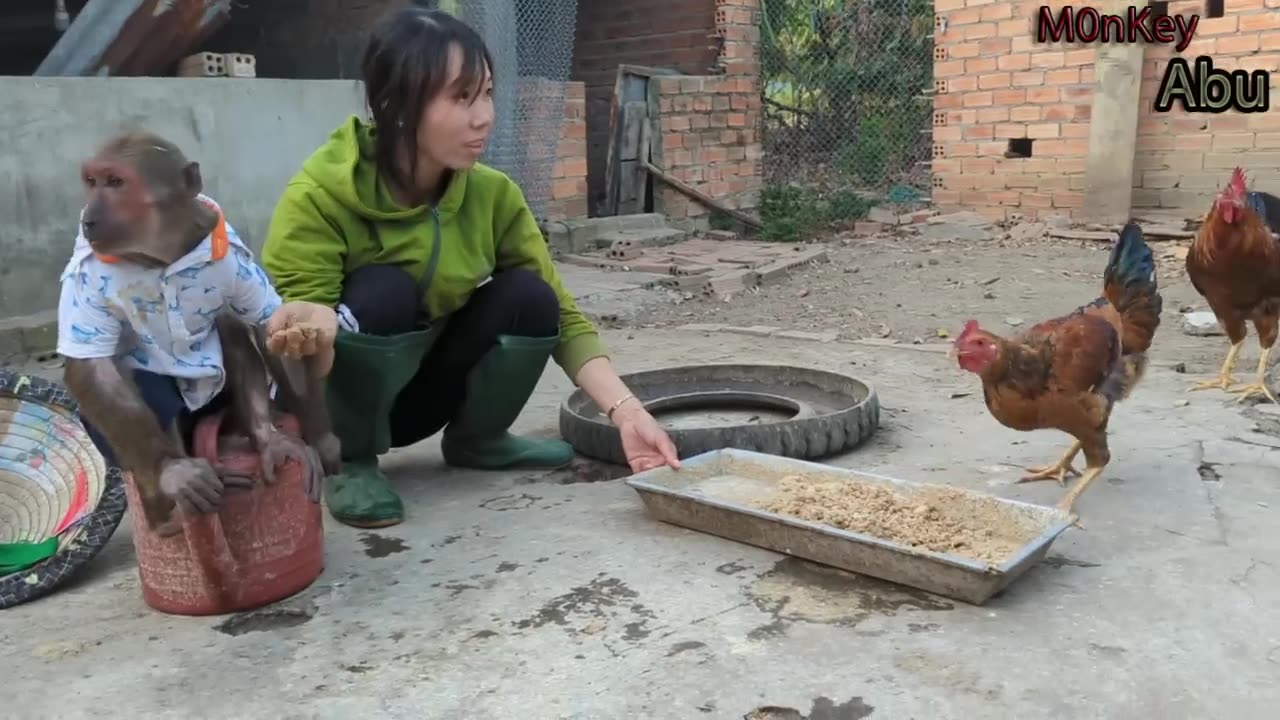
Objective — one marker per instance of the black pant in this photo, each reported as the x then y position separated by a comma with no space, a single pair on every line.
161,394
386,300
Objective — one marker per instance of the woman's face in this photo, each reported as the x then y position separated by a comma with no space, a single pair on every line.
455,125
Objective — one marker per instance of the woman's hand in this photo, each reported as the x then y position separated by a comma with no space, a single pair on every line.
644,442
303,329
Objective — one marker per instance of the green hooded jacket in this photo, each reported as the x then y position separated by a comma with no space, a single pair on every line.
337,215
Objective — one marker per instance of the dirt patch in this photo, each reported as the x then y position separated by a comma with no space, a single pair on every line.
938,519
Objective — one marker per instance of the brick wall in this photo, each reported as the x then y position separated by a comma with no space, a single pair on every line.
674,34
994,83
569,174
710,141
1183,158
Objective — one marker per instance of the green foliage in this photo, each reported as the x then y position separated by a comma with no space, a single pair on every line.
851,76
790,212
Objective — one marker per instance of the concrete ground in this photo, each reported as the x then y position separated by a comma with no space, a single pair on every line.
539,595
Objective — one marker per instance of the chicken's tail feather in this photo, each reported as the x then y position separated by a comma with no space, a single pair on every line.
1129,284
1124,377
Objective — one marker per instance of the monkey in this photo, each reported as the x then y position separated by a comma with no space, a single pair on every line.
163,319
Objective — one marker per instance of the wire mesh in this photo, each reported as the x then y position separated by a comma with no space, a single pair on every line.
846,93
532,46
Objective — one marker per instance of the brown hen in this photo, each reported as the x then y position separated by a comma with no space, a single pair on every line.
1068,372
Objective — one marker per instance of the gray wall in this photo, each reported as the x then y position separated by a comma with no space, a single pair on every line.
249,136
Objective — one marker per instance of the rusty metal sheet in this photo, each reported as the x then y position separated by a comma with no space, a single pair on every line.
133,37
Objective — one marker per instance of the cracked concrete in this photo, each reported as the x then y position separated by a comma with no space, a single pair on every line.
553,595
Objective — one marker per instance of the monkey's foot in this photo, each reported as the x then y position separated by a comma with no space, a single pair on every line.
1222,382
1252,389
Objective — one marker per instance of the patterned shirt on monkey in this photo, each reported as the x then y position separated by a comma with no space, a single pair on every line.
161,320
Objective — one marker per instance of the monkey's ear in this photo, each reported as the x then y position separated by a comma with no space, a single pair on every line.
191,176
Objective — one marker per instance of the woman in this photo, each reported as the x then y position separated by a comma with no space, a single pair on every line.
396,225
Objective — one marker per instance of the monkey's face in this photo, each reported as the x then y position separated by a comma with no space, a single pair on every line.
120,214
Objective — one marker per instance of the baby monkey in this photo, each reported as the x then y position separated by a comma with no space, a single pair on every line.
165,317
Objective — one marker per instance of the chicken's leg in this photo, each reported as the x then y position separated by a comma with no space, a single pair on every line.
1224,379
1068,501
1259,386
1058,471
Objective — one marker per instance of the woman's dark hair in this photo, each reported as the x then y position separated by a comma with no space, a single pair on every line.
405,65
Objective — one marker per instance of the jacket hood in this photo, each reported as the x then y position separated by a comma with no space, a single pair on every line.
344,167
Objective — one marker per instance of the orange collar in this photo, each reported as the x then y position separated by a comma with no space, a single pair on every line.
218,249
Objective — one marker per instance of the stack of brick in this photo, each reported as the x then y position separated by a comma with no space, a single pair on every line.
993,84
1183,159
569,164
710,141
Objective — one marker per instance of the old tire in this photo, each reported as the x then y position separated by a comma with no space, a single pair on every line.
833,413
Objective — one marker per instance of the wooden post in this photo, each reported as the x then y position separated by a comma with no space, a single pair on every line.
1113,128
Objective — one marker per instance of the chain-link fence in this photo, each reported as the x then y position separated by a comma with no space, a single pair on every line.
532,46
846,96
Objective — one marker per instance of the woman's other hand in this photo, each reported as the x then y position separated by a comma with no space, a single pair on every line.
644,442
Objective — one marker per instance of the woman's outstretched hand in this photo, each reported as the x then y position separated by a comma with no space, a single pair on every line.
302,329
644,442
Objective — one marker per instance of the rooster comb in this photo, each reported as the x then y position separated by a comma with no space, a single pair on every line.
1237,180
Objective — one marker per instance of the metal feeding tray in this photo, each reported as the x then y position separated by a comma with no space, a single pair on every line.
716,492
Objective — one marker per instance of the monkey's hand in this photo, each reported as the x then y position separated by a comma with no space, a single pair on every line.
276,447
195,486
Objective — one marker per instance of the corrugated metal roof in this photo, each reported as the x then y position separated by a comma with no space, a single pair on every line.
133,37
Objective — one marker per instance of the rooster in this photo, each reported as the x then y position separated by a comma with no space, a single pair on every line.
1234,263
1068,372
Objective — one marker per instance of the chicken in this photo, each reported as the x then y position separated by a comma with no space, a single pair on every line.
1234,263
1068,372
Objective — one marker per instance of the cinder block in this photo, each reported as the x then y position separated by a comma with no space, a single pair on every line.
203,64
592,262
624,253
731,282
779,268
241,65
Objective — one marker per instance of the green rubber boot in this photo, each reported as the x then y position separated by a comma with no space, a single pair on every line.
368,372
498,388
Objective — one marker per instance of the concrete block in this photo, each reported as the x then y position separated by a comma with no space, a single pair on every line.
592,262
240,65
684,282
203,64
624,253
867,227
722,234
641,238
782,267
731,282
653,266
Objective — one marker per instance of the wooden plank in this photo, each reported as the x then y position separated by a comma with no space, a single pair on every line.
634,116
